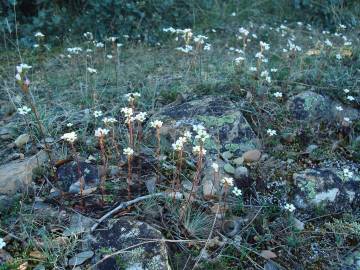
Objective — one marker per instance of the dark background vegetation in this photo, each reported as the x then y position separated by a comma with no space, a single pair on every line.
143,19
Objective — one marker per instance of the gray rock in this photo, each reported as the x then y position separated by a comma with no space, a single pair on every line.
69,177
311,106
252,155
241,172
17,175
227,155
298,224
125,233
228,168
80,258
329,187
221,117
352,262
22,140
78,224
311,148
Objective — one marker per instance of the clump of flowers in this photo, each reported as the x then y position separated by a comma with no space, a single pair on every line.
289,207
271,132
237,192
24,110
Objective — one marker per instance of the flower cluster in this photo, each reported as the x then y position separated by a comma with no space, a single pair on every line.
131,97
24,110
156,124
128,151
128,112
2,243
70,137
237,192
109,120
227,181
101,132
289,207
201,135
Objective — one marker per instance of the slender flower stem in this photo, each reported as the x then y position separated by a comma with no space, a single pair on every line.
81,177
158,154
129,178
103,156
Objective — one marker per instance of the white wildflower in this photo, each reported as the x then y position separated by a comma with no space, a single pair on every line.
98,114
24,110
91,70
237,192
128,151
207,47
109,120
2,243
141,116
289,207
156,124
109,56
347,173
271,132
274,70
101,132
264,45
227,181
339,108
69,137
338,56
128,112
132,96
39,35
69,124
196,150
346,91
351,98
22,67
328,43
215,166
278,94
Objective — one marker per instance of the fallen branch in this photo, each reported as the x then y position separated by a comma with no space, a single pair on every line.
128,203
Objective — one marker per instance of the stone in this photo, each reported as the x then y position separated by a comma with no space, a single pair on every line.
311,148
352,261
69,177
311,106
238,161
252,155
22,140
227,155
80,258
17,175
329,187
229,169
209,190
78,224
151,184
126,233
228,128
113,170
241,173
298,224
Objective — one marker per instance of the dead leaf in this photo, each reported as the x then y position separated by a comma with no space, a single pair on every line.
23,266
37,255
267,254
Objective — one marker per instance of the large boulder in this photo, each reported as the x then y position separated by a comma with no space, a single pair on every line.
225,123
229,133
130,236
17,175
311,106
330,187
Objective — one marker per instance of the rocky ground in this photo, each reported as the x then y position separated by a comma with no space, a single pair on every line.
294,159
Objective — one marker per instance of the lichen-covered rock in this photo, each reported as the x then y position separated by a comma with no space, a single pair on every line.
332,188
69,176
225,123
17,175
311,106
129,234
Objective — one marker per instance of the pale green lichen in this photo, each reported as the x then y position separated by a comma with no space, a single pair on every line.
217,121
309,188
